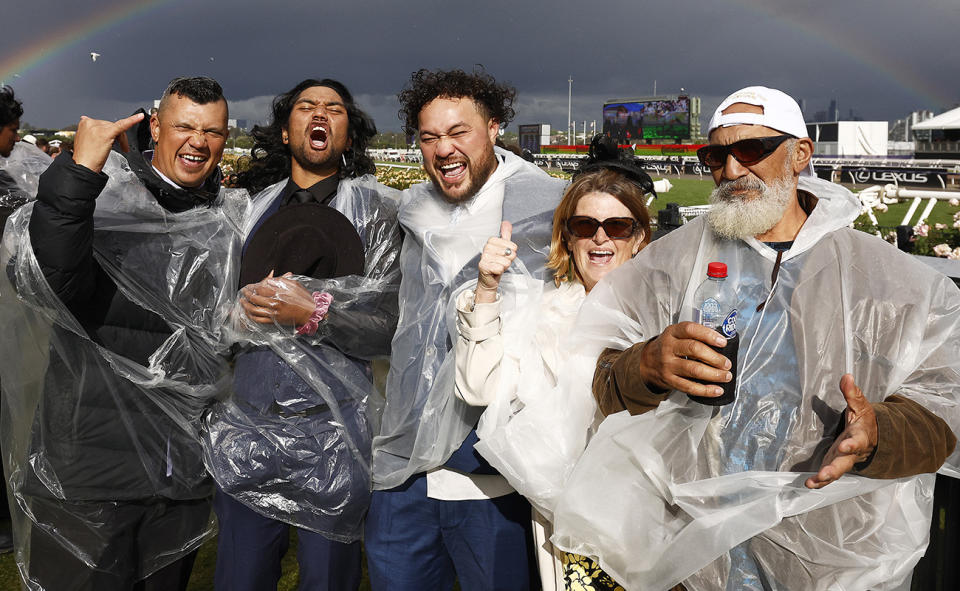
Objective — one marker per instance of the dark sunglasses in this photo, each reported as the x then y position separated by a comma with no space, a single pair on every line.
747,152
583,226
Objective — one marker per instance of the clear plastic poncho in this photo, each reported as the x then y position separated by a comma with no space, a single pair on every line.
298,450
83,423
23,167
424,422
537,426
715,497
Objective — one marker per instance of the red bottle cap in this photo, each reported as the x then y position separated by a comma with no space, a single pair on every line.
717,270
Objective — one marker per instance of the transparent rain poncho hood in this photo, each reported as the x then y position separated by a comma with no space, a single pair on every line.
423,421
293,441
82,422
714,498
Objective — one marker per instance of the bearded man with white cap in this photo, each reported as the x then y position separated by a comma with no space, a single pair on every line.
848,374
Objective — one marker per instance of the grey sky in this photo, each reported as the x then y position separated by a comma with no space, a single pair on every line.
883,58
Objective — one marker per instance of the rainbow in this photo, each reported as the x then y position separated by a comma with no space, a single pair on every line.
48,47
901,74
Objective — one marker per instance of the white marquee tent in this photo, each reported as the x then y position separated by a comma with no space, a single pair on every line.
948,120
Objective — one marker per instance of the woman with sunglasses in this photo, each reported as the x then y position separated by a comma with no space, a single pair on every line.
601,223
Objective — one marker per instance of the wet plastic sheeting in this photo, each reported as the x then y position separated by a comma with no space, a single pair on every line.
18,176
298,450
424,422
714,497
538,423
85,426
24,165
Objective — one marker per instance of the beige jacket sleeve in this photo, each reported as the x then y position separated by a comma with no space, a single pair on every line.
479,350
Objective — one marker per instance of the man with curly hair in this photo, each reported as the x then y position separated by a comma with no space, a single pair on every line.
439,512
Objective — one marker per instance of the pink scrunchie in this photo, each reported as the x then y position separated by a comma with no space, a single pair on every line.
323,301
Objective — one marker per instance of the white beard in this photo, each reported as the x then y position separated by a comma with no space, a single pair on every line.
737,217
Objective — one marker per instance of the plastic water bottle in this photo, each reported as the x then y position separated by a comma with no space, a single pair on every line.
716,303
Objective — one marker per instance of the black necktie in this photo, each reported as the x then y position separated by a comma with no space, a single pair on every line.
300,196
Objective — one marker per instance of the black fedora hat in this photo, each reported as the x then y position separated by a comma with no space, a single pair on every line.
304,239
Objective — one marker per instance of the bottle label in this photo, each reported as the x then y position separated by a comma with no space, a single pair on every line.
710,314
729,326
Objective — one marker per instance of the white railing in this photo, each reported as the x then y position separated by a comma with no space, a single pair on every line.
691,211
392,165
871,197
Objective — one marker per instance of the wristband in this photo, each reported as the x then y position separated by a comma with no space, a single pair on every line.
323,301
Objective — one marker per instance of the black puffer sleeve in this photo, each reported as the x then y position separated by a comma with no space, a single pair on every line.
61,229
363,326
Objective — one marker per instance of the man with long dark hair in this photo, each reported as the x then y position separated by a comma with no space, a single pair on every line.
319,299
308,154
440,512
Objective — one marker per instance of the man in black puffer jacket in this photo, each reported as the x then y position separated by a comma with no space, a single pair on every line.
133,269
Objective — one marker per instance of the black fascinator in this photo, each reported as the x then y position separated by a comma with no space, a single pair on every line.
606,154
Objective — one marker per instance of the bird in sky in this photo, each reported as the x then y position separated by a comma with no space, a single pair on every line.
94,55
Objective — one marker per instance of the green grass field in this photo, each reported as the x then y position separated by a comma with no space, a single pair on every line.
9,577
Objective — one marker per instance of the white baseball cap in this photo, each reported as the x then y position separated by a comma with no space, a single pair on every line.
30,139
780,112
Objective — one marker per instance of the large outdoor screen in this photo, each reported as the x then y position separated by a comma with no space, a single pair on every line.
628,122
530,138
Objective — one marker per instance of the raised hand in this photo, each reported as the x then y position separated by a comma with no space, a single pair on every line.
497,256
95,138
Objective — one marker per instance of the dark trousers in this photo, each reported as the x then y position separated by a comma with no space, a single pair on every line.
415,543
123,540
250,547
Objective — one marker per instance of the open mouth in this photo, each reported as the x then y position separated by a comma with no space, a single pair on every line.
453,171
600,256
318,137
192,161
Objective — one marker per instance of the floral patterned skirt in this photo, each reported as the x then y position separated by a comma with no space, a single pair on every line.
582,574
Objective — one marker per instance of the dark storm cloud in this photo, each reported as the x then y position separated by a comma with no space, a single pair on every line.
881,58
